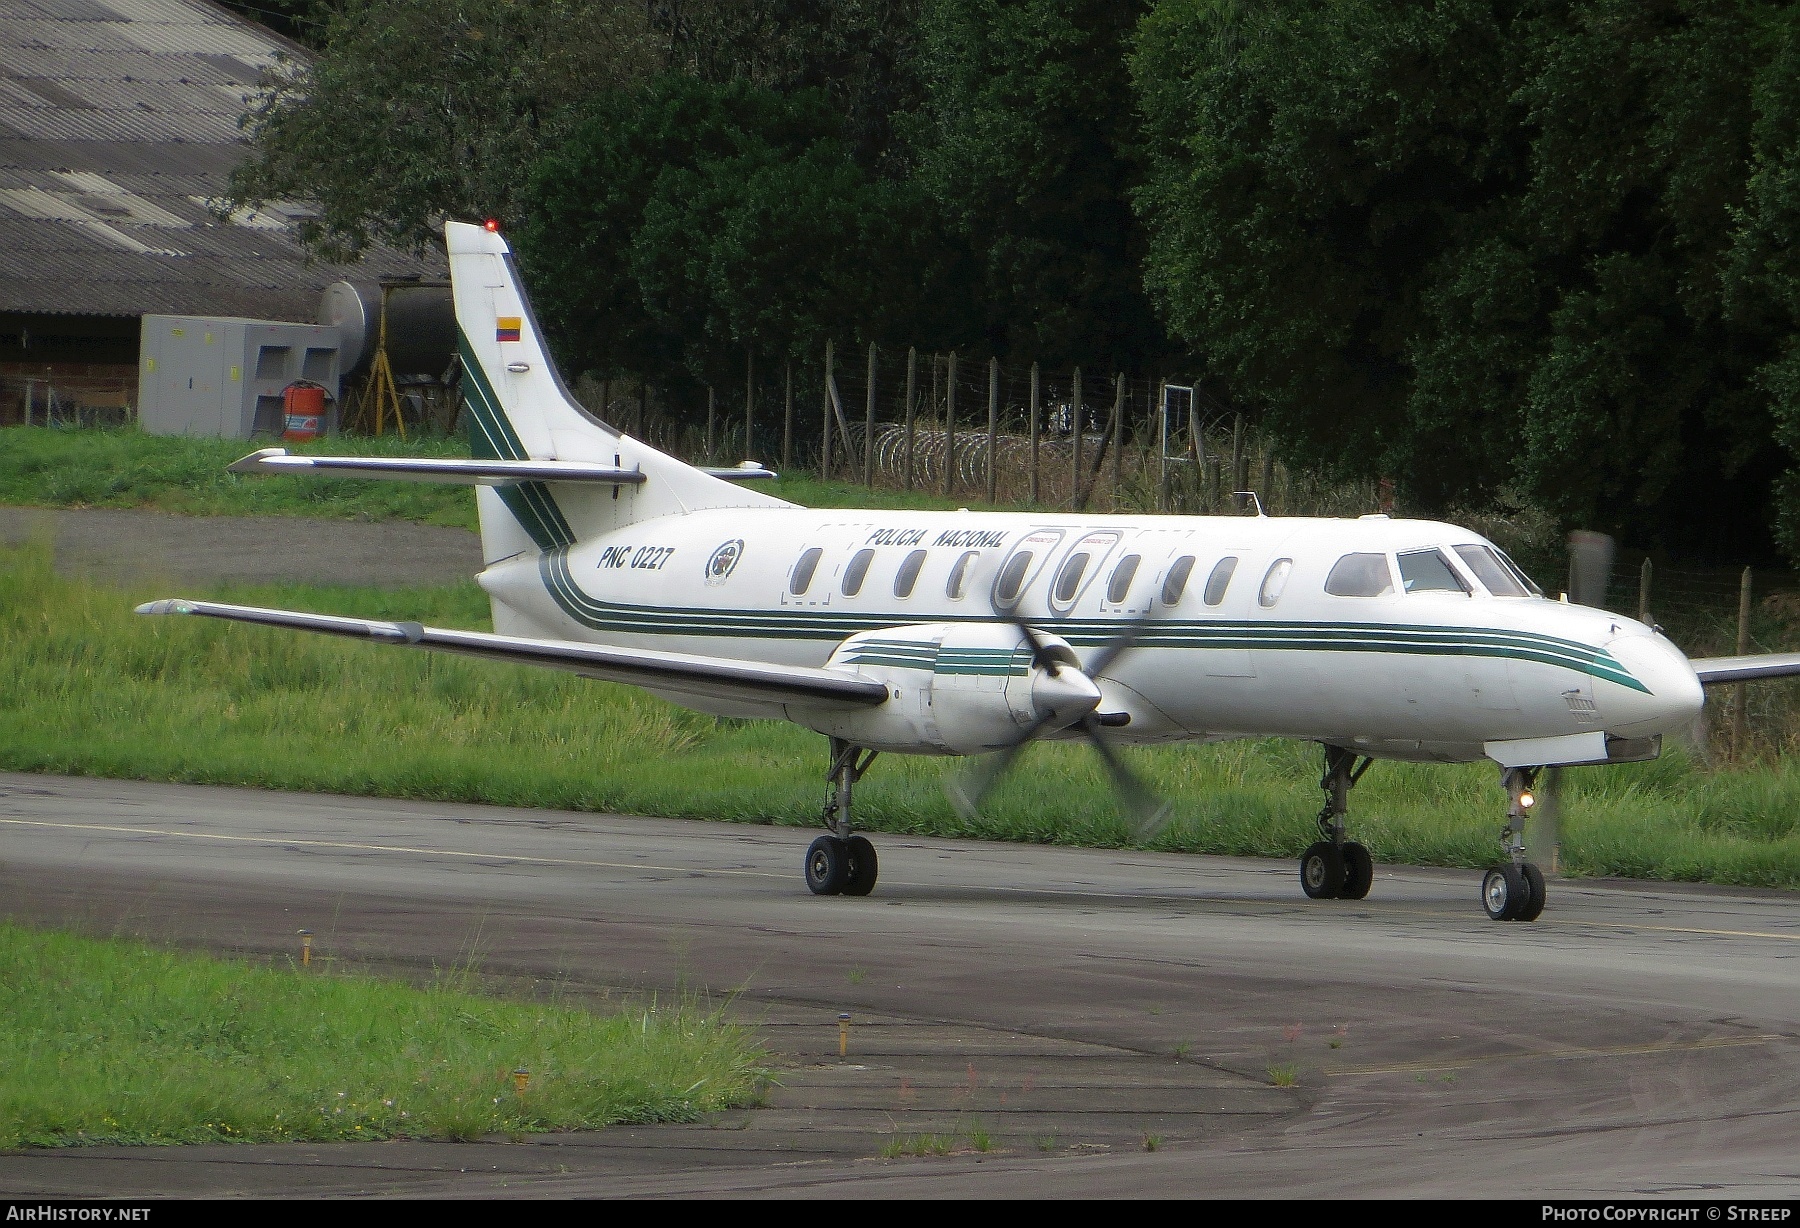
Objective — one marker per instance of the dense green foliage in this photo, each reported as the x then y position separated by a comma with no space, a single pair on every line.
115,1042
88,687
1538,246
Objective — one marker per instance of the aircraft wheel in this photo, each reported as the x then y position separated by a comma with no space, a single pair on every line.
863,866
1536,892
1504,892
1359,872
1322,871
827,866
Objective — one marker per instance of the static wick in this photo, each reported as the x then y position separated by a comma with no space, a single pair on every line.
305,948
843,1035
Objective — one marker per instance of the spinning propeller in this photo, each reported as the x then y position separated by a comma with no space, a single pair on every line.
1145,811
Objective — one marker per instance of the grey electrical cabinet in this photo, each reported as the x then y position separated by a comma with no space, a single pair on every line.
217,375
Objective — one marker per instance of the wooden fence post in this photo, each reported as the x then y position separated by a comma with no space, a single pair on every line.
1239,463
1740,711
869,425
1034,434
1075,488
1268,477
712,416
912,368
950,424
825,415
1118,437
787,421
1644,591
993,465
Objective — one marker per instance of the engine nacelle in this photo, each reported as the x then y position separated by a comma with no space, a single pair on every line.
956,688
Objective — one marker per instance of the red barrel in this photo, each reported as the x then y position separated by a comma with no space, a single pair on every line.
304,406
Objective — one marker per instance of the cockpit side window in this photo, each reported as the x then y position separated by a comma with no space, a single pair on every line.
1492,573
1360,575
1428,571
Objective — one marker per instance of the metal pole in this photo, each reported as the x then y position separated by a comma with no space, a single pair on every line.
825,413
950,424
1644,592
712,413
1240,473
1162,446
1740,712
869,425
1118,437
749,401
787,421
1075,469
993,469
1034,434
912,370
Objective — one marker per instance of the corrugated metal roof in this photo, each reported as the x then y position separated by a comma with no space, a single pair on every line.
118,122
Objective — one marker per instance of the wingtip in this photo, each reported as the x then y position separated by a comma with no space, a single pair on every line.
253,463
166,605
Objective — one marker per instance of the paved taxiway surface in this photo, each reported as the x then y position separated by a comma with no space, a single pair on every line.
1639,1040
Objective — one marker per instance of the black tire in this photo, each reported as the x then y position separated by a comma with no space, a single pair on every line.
1359,872
1322,871
827,866
1503,892
864,866
1535,894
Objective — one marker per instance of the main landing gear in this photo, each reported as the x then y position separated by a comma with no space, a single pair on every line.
1335,868
841,863
1514,889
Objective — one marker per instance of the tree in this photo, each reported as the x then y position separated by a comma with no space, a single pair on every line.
421,110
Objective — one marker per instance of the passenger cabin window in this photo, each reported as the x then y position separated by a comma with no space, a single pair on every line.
1492,573
1428,571
1219,580
1357,575
1012,577
1120,585
1175,583
801,580
959,575
857,572
908,575
1068,580
1274,580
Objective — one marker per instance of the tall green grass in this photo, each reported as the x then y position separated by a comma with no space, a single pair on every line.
87,687
116,1042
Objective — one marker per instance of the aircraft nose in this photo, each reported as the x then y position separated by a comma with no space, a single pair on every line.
1067,696
1672,697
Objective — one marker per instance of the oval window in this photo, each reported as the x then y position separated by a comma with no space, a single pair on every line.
1123,574
959,575
803,571
908,575
1068,580
1175,583
857,572
1012,576
1219,580
1274,582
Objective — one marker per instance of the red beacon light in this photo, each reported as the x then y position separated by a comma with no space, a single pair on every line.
492,225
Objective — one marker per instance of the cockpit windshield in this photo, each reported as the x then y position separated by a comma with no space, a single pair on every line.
1496,572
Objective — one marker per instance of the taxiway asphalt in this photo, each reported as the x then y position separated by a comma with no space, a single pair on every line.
1076,1005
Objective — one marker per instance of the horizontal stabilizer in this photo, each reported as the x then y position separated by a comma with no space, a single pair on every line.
1714,670
748,471
438,469
712,677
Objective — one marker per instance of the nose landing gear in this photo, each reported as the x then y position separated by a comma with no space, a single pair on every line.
1334,868
841,863
1514,890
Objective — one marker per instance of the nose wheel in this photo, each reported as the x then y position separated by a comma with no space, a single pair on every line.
1514,890
841,863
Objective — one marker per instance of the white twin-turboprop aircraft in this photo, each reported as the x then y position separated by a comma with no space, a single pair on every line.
970,633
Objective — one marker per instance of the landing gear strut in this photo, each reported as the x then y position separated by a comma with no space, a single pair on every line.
1514,890
1334,868
841,863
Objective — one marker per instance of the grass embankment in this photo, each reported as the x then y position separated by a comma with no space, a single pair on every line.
86,687
115,1042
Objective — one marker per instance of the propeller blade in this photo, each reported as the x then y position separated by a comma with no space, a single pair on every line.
1590,567
1544,833
1118,646
1146,812
968,789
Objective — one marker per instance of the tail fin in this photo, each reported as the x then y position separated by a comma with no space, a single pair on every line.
520,409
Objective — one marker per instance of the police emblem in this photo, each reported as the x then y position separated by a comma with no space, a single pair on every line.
722,561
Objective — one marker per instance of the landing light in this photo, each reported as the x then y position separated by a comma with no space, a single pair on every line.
1526,801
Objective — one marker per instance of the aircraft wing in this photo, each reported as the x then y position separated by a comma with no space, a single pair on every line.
475,472
1714,670
714,677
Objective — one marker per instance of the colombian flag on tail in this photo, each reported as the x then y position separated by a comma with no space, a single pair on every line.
506,328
